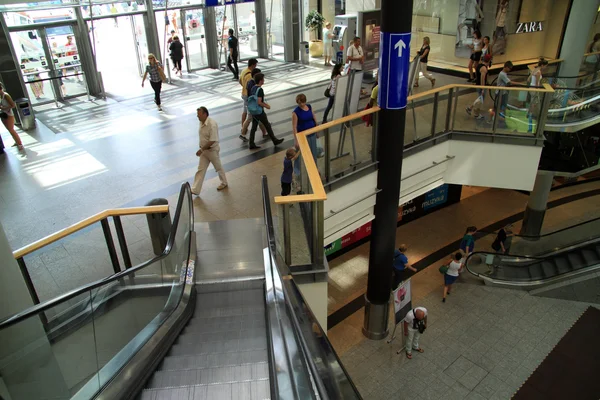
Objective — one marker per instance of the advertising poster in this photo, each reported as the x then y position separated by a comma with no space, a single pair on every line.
333,247
470,18
370,34
402,301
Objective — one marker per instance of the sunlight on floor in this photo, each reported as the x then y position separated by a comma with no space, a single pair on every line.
121,125
67,169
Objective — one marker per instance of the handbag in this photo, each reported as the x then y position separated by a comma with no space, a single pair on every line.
444,269
3,115
328,91
161,72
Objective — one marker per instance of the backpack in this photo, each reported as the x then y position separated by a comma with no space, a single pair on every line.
253,107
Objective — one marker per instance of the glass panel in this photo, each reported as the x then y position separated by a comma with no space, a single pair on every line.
224,21
113,8
120,78
419,118
140,40
66,61
38,16
34,66
42,361
299,229
275,28
246,24
196,38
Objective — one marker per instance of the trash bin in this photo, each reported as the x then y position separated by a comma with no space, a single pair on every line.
159,226
25,114
304,53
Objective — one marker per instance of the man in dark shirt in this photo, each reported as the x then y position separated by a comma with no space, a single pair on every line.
233,55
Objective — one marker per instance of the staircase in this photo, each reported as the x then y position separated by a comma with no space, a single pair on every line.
222,352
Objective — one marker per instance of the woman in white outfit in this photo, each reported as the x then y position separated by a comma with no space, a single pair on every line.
535,80
327,44
454,268
476,48
8,118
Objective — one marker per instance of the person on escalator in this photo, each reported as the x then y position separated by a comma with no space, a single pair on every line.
503,240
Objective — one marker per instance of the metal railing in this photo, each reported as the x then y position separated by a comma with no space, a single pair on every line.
304,365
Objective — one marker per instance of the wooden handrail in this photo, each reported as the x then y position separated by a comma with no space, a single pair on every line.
311,167
30,248
591,54
532,66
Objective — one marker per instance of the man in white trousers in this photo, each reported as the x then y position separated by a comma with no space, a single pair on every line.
415,323
209,151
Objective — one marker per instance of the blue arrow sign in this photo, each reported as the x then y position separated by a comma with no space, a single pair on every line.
394,65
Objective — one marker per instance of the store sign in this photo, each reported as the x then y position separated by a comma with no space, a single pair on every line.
529,27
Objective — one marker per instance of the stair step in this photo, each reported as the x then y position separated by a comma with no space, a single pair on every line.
220,324
230,286
590,256
549,269
195,337
232,311
223,346
207,376
250,297
576,260
213,360
563,264
255,390
536,272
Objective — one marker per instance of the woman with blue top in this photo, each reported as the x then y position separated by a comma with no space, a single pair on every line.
303,119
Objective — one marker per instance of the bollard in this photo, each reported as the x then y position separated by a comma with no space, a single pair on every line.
159,225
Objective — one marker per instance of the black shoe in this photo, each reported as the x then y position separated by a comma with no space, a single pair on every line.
470,80
253,146
277,142
235,78
444,300
244,138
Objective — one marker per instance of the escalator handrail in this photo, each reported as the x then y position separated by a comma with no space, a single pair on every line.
537,237
48,304
323,393
561,250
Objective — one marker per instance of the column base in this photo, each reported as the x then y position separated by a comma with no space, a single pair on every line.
376,320
532,222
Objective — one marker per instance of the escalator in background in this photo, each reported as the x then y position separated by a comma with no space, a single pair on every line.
537,262
153,332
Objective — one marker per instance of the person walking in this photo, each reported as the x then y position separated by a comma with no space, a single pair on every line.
157,75
8,118
423,55
355,55
245,77
475,54
260,115
176,49
467,244
208,152
335,76
415,323
232,44
455,267
400,265
327,44
303,119
482,72
246,124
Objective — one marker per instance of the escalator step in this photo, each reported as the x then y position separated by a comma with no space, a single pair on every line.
590,256
576,260
549,269
195,337
209,376
255,390
251,297
536,272
213,360
230,286
223,346
232,311
562,264
212,325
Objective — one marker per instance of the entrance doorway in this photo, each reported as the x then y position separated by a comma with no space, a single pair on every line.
195,39
121,53
50,63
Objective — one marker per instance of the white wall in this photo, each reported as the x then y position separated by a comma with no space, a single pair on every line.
493,165
315,295
474,163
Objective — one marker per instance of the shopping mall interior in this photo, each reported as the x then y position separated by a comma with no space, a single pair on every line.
446,248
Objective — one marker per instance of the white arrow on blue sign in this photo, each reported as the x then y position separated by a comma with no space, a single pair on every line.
394,65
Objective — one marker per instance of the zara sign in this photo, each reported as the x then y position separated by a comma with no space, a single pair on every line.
529,27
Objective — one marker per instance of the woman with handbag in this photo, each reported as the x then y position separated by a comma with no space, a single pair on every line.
330,91
8,118
157,76
451,275
176,49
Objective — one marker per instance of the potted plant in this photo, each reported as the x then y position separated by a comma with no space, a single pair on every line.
313,22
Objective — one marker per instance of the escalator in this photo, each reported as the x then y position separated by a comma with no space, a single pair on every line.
537,262
154,332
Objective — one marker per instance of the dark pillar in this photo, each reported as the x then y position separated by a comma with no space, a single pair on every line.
9,65
396,17
537,204
261,28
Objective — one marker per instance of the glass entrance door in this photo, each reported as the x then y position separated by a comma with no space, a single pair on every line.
141,44
66,63
195,40
35,68
224,21
246,30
